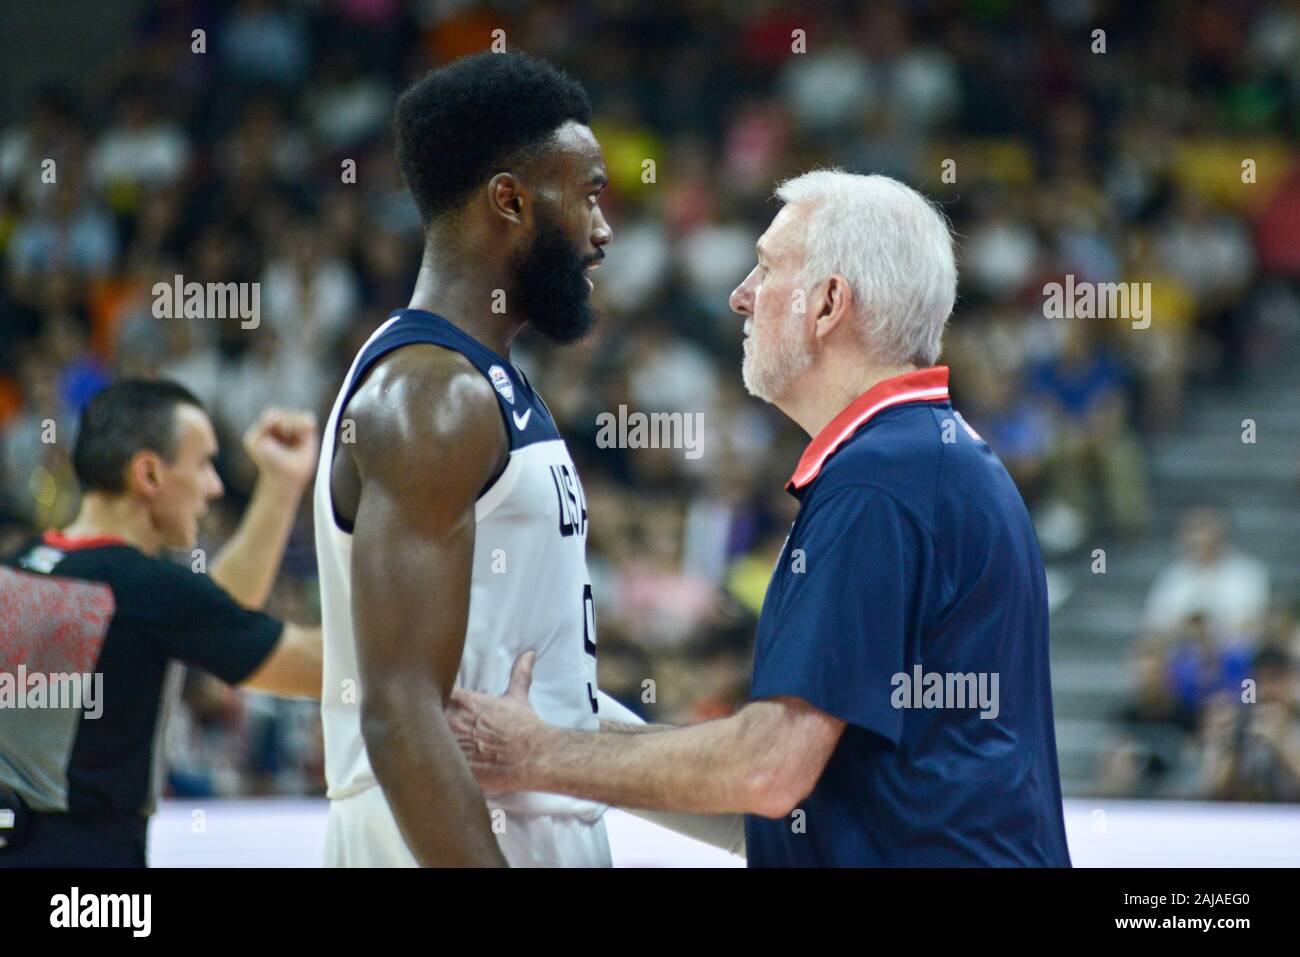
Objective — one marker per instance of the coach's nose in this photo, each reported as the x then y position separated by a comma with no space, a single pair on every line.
742,297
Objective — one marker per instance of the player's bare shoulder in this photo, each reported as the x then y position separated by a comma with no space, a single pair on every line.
421,411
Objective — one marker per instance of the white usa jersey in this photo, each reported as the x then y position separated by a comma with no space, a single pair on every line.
530,590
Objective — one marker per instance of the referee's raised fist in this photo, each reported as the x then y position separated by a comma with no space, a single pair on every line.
284,444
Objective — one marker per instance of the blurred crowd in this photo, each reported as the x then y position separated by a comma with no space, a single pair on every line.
267,158
1214,712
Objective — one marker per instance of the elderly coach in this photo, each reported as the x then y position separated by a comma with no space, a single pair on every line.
902,707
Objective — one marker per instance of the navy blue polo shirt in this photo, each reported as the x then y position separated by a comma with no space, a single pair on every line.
910,602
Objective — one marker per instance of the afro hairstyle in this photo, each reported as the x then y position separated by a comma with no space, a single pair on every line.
464,122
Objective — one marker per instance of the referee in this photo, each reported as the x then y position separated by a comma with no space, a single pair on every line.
902,706
95,625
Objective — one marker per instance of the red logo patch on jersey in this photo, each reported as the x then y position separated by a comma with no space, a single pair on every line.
52,625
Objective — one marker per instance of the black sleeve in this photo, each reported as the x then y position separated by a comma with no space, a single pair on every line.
189,617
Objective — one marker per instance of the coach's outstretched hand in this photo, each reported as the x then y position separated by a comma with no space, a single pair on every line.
501,736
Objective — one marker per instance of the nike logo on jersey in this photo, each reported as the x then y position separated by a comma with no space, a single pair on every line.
521,421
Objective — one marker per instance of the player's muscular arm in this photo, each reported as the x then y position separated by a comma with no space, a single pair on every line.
428,438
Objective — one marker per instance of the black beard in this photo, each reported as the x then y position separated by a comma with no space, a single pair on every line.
551,286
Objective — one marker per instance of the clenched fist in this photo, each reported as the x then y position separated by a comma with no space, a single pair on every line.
284,444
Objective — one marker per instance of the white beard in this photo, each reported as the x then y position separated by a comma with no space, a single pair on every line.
767,373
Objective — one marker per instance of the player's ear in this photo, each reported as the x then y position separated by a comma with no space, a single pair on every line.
506,197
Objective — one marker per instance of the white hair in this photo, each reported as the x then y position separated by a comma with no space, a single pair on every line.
894,248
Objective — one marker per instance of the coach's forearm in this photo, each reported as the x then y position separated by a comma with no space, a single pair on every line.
618,718
619,727
711,768
247,566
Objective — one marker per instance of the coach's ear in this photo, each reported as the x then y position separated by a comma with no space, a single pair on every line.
831,304
505,196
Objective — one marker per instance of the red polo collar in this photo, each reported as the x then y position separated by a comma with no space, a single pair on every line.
923,385
56,539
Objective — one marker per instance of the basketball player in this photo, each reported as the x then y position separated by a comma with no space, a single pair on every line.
450,523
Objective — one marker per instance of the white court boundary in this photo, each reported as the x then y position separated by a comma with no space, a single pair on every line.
290,832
